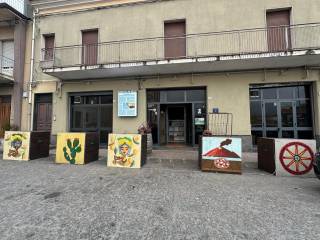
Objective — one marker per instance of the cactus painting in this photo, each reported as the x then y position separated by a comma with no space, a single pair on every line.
70,148
73,148
16,146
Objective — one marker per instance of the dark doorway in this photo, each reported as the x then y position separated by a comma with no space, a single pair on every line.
92,113
43,112
176,122
175,39
279,37
90,47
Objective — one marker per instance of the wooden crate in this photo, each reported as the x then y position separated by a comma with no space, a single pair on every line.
127,150
220,154
266,155
25,146
286,157
77,148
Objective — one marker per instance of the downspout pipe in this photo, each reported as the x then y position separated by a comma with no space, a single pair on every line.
31,68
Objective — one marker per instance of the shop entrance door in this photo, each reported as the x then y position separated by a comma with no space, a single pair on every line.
280,119
176,115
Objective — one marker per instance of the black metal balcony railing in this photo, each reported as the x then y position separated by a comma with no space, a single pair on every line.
6,66
202,45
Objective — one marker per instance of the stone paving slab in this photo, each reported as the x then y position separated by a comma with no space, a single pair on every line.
164,200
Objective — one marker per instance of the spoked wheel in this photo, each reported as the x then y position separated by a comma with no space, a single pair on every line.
296,158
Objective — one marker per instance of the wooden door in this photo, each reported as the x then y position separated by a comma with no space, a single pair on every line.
89,47
279,37
175,39
49,46
5,110
43,112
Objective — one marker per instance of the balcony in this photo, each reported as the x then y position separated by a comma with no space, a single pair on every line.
6,70
262,48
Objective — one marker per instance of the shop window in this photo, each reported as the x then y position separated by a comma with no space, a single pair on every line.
255,94
305,135
106,116
196,95
153,96
303,114
303,92
106,99
270,93
176,96
286,92
92,100
256,114
76,100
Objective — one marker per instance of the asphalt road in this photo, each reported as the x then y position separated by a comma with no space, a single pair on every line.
42,200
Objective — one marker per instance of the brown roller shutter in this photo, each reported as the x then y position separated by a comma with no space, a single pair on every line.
90,47
278,23
175,39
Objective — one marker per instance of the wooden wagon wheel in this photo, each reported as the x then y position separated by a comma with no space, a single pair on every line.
296,158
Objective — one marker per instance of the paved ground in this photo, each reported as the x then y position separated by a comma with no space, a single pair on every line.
167,199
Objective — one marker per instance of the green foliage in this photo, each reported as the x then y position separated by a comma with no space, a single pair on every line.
74,148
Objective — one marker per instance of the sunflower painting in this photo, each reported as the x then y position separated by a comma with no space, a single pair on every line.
124,150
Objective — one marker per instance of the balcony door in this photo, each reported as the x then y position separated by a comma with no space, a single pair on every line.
89,47
279,37
49,46
175,39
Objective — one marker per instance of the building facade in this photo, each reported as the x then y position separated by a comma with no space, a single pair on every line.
13,22
109,66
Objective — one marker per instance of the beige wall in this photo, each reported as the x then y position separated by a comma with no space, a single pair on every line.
6,33
146,20
228,92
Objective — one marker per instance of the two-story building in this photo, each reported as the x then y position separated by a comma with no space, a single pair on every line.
13,20
110,66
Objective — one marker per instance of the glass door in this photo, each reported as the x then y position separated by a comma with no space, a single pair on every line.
287,128
271,119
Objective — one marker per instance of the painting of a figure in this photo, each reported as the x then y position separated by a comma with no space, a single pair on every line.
124,150
16,146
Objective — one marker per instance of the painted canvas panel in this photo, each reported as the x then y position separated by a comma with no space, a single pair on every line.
70,148
124,150
127,103
294,157
221,154
16,146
